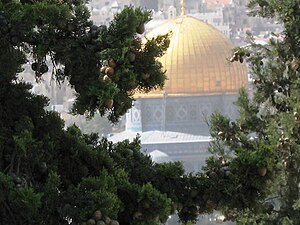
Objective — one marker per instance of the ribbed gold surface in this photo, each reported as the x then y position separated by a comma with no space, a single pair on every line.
196,60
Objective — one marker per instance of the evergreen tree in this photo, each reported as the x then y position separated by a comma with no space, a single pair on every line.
254,174
51,175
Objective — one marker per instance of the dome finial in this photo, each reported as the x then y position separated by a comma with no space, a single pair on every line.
182,3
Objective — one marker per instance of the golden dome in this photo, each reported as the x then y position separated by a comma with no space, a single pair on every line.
196,60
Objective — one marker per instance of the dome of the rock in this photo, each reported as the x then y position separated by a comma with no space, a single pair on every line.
196,60
201,81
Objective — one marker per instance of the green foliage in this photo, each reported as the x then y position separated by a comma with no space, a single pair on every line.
128,156
6,185
253,173
129,60
170,181
25,201
52,175
92,193
153,207
62,32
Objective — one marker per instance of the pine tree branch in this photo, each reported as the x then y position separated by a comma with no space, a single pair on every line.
9,212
